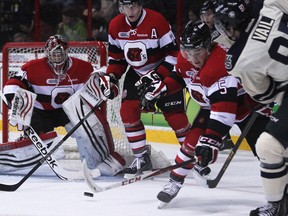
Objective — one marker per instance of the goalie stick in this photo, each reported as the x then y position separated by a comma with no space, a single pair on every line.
62,173
96,188
212,183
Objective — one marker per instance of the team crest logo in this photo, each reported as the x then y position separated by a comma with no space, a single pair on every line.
192,74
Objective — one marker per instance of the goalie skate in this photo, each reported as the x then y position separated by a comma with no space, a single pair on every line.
138,166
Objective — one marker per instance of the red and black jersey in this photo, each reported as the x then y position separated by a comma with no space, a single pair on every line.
214,89
38,77
149,45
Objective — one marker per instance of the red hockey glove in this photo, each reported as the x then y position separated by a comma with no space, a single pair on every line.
207,150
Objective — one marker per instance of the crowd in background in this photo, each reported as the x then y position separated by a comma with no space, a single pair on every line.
69,18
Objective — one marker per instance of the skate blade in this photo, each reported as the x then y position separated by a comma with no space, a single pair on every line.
162,205
129,176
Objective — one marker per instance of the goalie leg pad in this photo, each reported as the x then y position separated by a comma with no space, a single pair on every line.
94,139
23,154
110,166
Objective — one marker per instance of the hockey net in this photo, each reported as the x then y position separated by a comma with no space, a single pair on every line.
16,54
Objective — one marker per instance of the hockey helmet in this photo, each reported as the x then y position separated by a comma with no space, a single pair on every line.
195,41
196,35
208,5
56,50
232,13
129,2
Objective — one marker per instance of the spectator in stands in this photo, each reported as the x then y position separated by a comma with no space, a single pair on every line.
101,15
72,26
21,37
193,15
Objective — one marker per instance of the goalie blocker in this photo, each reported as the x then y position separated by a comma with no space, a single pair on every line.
94,139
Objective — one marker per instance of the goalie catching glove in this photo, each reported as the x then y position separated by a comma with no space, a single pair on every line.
207,150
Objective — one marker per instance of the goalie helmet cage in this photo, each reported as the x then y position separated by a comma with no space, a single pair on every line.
16,54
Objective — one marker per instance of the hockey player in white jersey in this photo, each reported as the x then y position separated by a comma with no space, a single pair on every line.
259,58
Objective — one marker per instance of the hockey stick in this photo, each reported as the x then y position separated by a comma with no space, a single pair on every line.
14,187
96,188
51,161
212,183
43,150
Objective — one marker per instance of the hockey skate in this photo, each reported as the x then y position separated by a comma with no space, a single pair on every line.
168,193
272,209
138,166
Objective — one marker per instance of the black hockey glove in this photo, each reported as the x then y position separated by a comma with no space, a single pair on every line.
152,94
207,150
109,86
146,80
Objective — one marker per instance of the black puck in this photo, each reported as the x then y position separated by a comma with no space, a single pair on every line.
88,194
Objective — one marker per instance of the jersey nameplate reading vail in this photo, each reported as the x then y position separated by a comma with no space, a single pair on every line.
263,29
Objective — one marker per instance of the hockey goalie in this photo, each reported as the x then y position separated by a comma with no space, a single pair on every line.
58,90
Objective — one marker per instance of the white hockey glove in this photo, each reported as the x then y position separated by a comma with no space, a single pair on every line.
22,108
146,81
109,85
207,150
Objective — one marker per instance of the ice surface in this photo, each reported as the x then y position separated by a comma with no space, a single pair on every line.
239,191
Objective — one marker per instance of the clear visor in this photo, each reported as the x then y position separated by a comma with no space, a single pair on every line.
220,27
127,7
192,54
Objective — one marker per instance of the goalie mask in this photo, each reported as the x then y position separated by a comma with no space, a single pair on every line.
56,50
195,42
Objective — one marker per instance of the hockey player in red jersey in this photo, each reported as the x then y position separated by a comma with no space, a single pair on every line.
259,59
141,41
54,79
201,69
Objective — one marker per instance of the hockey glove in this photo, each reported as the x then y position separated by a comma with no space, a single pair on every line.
145,81
155,91
207,150
108,86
